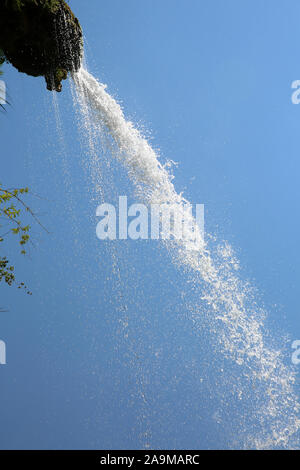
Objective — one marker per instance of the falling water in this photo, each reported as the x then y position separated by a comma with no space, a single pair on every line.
233,310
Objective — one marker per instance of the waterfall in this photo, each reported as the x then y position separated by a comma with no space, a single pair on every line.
230,300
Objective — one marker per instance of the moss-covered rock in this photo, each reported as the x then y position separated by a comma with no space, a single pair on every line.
41,38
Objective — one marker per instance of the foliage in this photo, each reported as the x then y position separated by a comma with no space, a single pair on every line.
9,211
12,207
12,211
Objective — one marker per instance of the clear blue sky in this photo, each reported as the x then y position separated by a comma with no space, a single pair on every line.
210,81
